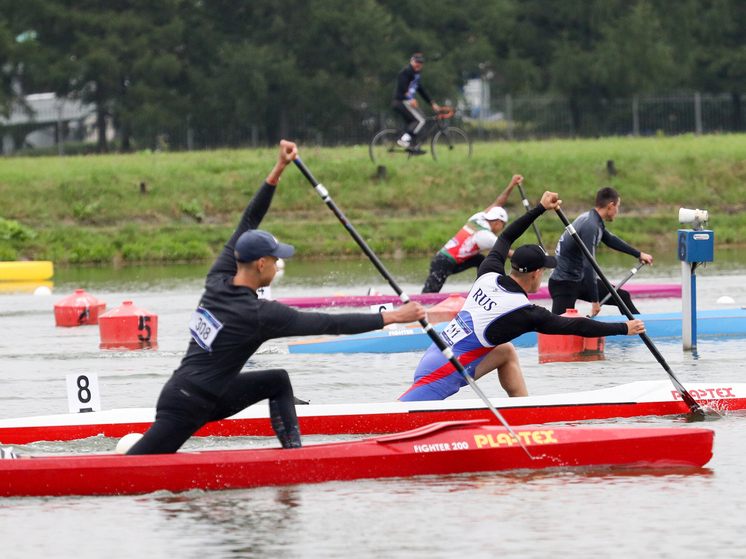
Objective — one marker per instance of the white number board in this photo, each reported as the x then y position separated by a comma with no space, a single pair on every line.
82,392
386,307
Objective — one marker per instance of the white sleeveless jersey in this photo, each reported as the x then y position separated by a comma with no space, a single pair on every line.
487,301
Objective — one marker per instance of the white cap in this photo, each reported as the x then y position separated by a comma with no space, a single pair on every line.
496,213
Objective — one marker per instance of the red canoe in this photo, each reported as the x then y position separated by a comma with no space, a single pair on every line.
437,449
637,290
635,399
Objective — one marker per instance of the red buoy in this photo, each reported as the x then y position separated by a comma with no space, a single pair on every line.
446,310
569,348
78,309
128,327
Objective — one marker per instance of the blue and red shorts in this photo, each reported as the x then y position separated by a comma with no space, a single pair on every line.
437,379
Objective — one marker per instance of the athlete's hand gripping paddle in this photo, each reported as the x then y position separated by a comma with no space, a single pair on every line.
444,349
691,402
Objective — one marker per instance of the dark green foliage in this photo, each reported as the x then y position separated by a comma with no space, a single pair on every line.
238,72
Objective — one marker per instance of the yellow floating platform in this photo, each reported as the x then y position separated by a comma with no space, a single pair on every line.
26,271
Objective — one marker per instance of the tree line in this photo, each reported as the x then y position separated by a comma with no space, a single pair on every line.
219,65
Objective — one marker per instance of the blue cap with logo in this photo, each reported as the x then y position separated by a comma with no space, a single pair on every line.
255,244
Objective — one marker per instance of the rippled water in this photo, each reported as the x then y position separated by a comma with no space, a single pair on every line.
565,513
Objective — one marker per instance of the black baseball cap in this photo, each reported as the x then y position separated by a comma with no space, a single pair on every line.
528,258
418,57
255,244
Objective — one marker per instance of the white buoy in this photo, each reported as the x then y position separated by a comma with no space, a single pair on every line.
725,300
127,442
42,290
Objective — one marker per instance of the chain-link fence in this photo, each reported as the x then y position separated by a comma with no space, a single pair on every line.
542,116
504,118
514,117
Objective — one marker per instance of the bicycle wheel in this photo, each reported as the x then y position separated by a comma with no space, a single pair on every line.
451,145
384,149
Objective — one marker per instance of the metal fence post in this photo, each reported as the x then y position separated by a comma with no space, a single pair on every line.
509,114
190,134
698,113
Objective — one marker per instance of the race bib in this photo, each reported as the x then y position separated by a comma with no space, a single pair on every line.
204,328
456,331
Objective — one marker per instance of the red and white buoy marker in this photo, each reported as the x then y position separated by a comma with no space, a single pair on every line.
554,348
78,309
128,327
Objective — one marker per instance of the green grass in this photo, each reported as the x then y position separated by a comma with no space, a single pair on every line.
89,208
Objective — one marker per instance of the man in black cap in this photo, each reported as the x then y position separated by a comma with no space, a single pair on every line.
404,103
229,325
496,311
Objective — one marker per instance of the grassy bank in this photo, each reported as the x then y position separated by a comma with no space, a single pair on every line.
90,208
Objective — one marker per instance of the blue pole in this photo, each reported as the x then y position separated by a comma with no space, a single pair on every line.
694,310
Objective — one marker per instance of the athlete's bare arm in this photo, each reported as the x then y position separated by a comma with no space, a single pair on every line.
500,201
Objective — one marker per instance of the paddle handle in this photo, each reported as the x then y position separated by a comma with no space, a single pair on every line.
685,396
427,327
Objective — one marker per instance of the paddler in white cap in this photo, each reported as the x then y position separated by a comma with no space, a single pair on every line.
464,250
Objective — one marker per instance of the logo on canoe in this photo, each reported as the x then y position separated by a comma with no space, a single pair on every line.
706,392
402,332
505,439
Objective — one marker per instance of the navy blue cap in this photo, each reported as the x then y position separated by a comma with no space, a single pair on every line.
529,258
255,244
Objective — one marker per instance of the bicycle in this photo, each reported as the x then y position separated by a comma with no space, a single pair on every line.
448,143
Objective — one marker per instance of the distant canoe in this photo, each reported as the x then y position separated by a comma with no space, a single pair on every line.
725,322
638,290
26,271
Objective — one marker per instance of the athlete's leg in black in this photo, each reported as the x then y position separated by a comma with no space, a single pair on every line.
473,262
180,413
564,294
602,292
251,387
440,268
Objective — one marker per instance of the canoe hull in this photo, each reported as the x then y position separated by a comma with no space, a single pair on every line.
437,449
637,399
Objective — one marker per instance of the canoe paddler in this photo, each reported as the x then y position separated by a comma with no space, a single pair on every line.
496,311
574,277
229,325
464,250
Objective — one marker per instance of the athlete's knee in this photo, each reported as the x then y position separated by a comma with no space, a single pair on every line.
281,378
505,355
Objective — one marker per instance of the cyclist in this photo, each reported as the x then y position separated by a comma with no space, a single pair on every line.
404,103
463,251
